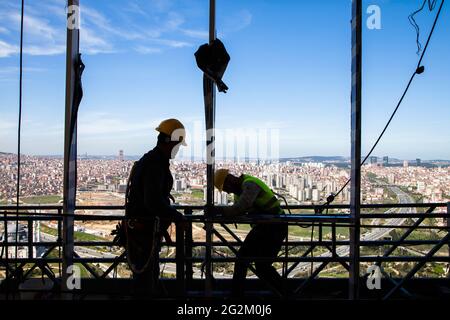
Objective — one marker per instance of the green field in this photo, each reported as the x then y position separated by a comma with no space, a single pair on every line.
78,236
48,199
198,194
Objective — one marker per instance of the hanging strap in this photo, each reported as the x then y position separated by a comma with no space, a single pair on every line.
78,93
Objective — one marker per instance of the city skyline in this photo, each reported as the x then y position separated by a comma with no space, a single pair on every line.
240,158
141,69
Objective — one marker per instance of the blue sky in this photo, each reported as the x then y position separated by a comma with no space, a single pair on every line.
289,71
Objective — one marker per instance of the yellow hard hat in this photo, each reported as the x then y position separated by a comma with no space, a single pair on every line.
219,178
168,127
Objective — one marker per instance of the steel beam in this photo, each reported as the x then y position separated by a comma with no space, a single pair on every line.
180,260
419,265
448,230
209,91
355,186
70,140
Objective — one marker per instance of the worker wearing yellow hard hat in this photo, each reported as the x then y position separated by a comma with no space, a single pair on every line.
253,196
174,129
148,207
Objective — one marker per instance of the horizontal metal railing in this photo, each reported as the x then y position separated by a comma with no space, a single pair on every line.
184,244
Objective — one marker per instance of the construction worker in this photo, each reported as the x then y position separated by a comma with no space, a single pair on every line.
148,207
252,196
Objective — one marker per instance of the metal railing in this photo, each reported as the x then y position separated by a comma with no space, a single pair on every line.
292,262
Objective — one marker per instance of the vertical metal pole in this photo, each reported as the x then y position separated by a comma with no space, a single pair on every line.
355,187
180,259
448,230
70,145
30,239
188,251
209,90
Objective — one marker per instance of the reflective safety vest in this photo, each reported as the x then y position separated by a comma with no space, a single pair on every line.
266,202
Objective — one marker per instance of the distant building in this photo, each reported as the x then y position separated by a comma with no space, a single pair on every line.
405,164
418,162
220,198
122,188
308,194
421,186
120,155
315,195
373,160
301,195
385,160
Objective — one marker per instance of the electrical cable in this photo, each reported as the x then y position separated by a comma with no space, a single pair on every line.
419,70
412,20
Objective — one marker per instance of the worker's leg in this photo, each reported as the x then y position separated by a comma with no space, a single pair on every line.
246,250
270,238
145,259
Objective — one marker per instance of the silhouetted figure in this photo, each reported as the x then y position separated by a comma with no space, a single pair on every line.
253,196
148,207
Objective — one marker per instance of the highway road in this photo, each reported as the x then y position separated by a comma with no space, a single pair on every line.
374,234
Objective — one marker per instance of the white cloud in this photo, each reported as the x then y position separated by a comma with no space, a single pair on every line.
35,26
171,43
7,126
135,8
145,27
147,50
237,21
174,20
161,5
91,43
94,124
45,50
198,34
7,49
4,30
93,17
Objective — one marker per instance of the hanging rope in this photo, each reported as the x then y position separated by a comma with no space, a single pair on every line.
418,70
412,20
19,128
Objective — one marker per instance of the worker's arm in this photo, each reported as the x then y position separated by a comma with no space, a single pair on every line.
250,192
154,198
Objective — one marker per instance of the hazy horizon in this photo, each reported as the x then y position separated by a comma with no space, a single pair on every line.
290,70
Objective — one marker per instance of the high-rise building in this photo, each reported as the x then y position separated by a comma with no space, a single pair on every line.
405,164
418,162
385,160
373,160
301,195
315,195
220,198
120,155
307,194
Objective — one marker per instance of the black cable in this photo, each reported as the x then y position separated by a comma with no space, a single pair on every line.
19,128
18,141
419,69
412,20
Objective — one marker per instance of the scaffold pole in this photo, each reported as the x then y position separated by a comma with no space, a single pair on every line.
355,196
209,90
70,140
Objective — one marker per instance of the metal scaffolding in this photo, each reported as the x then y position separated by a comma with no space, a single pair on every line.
186,284
70,140
355,182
